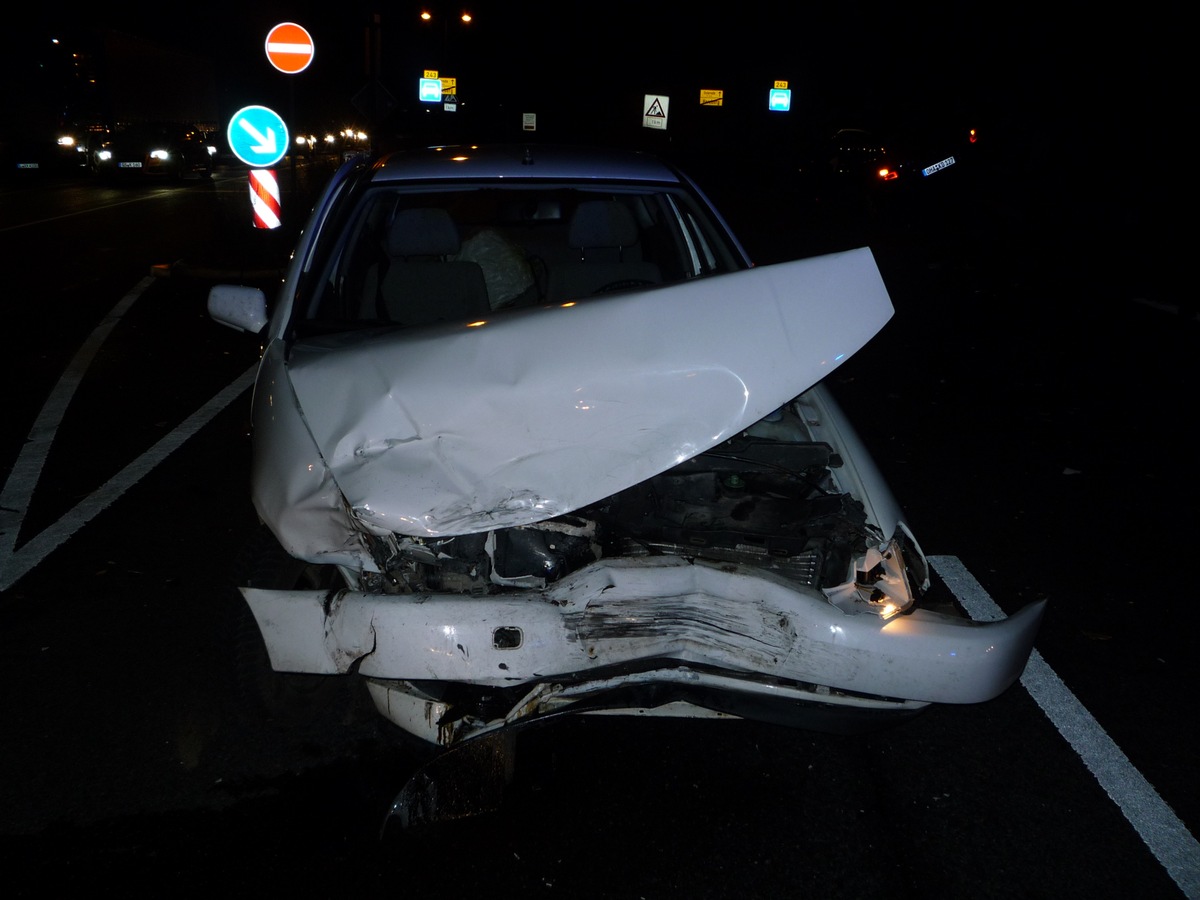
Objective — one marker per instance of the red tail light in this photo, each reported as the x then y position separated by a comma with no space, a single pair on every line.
888,174
972,136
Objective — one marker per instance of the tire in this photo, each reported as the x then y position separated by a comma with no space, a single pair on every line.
284,699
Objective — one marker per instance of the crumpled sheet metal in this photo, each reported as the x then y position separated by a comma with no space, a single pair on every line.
627,612
533,414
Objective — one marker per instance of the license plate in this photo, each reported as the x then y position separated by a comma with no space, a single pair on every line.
938,166
129,165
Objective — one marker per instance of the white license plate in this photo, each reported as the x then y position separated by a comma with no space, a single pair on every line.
938,166
129,165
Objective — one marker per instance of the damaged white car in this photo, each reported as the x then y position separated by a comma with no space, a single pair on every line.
540,440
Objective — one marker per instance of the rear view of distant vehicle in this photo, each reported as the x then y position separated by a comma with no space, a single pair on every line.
937,166
855,153
160,150
854,158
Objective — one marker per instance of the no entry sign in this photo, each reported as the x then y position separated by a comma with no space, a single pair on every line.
289,47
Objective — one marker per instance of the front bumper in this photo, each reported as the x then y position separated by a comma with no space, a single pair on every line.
657,620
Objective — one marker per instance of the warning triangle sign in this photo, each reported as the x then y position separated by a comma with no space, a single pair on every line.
655,115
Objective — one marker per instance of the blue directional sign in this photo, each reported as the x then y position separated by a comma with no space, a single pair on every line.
430,90
257,136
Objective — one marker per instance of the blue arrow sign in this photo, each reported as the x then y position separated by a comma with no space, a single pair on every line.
429,90
257,136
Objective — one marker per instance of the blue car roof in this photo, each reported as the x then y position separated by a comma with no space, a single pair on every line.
519,161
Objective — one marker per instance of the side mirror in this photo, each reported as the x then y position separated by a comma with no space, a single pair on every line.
239,307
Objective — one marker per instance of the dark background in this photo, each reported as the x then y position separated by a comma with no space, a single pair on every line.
1028,403
1084,110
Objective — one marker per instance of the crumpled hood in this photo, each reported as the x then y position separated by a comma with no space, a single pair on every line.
533,414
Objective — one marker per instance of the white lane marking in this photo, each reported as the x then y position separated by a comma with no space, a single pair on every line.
41,546
19,487
218,179
21,481
82,212
1162,831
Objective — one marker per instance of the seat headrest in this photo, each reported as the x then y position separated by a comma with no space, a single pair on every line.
422,232
602,223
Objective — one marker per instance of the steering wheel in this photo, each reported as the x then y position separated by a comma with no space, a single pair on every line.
624,285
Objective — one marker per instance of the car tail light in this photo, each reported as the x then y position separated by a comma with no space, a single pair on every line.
972,136
886,174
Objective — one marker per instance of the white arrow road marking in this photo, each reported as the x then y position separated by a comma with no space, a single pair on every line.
1158,826
18,488
266,142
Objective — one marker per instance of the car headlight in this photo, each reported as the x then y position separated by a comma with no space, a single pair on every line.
104,155
882,581
888,579
159,154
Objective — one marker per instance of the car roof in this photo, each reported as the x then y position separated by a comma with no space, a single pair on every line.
522,161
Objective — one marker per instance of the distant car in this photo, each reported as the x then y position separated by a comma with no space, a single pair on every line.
844,159
61,151
940,156
860,154
164,150
909,155
531,437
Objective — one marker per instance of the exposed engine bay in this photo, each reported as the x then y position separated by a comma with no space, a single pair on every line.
766,498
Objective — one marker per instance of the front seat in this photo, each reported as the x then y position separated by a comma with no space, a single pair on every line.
419,282
609,255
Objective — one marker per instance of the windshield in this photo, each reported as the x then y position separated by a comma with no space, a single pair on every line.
409,258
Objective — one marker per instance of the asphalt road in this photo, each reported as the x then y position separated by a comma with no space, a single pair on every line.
1027,409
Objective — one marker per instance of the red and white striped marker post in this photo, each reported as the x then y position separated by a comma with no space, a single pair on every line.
264,198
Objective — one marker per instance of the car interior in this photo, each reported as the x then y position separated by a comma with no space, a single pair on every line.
419,259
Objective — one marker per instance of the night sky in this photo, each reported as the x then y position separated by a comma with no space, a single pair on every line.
1092,99
1013,61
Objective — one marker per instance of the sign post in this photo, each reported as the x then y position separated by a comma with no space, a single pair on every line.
264,198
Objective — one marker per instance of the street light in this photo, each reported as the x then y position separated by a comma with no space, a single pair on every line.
464,17
429,16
